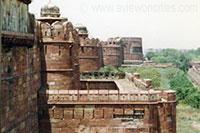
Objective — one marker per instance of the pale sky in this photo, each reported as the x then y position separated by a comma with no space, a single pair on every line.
161,23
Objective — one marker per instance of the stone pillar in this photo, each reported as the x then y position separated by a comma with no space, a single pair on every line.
137,75
148,82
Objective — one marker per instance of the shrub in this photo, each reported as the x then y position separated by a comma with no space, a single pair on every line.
185,90
179,58
145,72
108,68
172,72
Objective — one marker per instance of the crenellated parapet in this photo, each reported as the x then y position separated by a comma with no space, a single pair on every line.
106,96
112,54
90,53
99,96
122,95
144,84
58,32
60,43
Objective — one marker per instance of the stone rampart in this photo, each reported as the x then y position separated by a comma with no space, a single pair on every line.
194,74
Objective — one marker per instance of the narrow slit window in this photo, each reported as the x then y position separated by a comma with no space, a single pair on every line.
70,52
59,50
45,50
82,49
45,33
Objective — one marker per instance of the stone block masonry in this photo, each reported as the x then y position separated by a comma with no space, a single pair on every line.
109,118
122,110
112,55
131,49
43,90
59,46
21,80
90,52
21,73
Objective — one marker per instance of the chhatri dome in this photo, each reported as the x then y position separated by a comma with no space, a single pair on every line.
50,10
81,29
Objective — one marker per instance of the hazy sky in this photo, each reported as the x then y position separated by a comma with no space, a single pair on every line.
161,23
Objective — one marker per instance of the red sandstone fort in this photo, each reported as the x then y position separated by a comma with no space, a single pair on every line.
50,80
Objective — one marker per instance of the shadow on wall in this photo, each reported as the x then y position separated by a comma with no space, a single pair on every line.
43,108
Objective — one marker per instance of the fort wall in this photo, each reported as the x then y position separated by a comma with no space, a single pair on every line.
59,49
132,48
194,74
109,118
90,54
21,78
112,55
43,90
107,110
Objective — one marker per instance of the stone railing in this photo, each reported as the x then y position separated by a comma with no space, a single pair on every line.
102,75
167,95
105,96
139,84
71,96
144,84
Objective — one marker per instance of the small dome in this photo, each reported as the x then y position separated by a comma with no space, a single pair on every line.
50,10
81,29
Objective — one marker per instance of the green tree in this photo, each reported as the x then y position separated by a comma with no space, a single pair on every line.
172,72
151,54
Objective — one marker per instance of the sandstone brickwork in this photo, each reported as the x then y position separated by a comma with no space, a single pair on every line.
20,83
109,118
131,49
102,101
44,91
60,46
90,53
112,54
21,73
106,110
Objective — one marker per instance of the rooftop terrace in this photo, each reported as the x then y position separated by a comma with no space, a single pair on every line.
110,88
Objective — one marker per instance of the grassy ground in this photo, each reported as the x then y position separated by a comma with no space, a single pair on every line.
188,119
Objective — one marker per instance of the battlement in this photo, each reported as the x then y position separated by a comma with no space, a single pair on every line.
106,96
138,91
58,32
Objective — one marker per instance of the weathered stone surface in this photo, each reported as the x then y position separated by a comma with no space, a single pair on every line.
90,53
112,55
